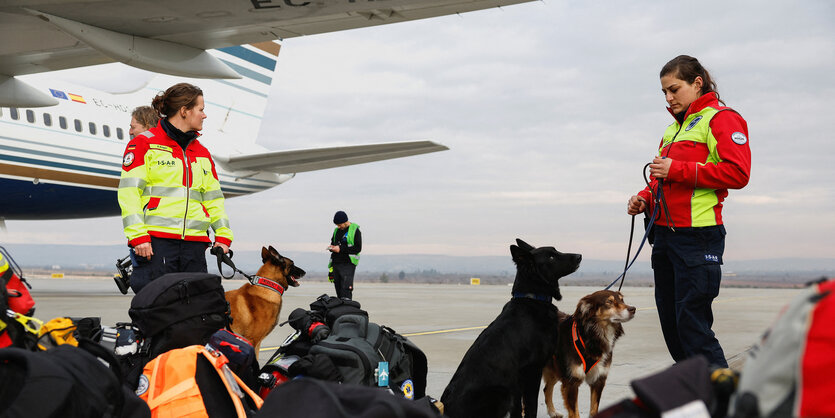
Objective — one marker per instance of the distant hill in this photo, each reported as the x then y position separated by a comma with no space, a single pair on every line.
90,257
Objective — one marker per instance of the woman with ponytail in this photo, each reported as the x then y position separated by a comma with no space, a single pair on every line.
169,191
702,154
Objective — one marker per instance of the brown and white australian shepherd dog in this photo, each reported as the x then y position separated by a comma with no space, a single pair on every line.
584,351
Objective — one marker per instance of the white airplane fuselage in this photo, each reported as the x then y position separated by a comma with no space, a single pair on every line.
64,161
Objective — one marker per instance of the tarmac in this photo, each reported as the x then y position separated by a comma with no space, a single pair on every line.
444,320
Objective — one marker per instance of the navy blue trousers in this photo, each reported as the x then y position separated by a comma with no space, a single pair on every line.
687,268
170,256
343,279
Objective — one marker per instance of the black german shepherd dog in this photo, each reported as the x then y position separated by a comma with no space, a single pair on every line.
501,371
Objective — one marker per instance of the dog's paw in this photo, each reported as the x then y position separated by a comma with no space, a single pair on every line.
554,414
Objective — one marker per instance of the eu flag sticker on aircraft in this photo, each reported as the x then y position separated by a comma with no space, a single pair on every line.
58,94
77,98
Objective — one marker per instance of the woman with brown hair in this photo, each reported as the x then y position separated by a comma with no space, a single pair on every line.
703,153
169,191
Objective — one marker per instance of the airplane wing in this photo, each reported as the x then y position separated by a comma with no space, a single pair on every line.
48,35
297,161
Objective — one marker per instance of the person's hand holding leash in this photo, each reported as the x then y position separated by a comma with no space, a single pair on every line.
223,247
636,205
660,167
333,248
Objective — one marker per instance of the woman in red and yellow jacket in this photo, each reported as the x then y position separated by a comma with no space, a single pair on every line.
169,191
702,154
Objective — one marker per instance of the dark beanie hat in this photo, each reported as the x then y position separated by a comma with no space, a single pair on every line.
340,217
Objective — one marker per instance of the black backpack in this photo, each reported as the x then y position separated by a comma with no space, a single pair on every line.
65,381
178,310
327,309
175,310
357,346
350,348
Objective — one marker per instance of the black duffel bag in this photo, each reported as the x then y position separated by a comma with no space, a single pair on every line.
65,381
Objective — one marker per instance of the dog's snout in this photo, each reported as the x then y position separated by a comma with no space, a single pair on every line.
631,310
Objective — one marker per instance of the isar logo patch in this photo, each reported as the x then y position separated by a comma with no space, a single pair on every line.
739,138
692,123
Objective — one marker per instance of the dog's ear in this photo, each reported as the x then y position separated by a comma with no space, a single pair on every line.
275,254
519,255
583,309
265,255
524,245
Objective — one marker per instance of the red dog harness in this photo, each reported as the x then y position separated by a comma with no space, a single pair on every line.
575,336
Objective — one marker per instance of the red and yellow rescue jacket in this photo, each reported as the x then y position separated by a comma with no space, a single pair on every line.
710,154
168,192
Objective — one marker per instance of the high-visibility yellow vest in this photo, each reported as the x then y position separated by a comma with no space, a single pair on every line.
352,231
168,192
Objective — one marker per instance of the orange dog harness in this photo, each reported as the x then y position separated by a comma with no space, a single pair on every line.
575,336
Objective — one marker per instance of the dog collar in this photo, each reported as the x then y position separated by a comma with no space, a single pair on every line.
268,283
575,336
541,298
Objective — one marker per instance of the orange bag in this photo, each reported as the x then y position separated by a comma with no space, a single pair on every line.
172,387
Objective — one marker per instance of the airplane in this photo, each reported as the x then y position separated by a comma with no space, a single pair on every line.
61,142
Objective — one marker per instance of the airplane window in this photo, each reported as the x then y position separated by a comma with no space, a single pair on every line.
62,121
30,116
105,129
92,128
47,119
13,112
119,133
77,124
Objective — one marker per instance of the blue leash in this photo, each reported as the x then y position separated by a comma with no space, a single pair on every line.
646,234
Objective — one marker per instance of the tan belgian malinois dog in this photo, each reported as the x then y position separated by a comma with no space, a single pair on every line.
255,305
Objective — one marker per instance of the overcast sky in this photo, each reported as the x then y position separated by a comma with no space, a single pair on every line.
550,109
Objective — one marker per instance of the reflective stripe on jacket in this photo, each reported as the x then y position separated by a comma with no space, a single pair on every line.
711,154
161,195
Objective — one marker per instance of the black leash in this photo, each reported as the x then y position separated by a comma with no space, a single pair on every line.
628,251
640,247
223,258
658,200
627,265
